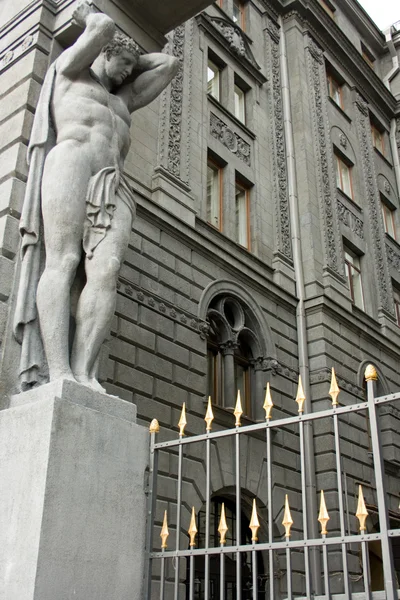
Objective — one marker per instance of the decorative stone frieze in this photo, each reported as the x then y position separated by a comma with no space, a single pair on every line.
231,140
350,220
373,205
278,141
323,156
393,257
12,55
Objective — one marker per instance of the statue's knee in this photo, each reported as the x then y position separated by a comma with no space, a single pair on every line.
69,262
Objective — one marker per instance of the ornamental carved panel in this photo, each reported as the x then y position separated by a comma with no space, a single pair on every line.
282,217
230,139
323,157
373,205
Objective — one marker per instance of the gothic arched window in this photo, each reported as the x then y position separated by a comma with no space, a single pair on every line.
234,353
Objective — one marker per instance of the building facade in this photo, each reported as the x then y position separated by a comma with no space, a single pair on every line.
266,244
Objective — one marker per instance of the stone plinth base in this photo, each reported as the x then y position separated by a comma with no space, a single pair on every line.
72,502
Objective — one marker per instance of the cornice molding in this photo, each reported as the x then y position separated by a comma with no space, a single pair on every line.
331,38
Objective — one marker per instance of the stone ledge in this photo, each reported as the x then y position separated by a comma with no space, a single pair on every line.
77,393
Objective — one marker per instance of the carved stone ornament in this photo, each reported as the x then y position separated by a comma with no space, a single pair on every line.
231,140
323,148
372,200
279,153
343,140
175,110
235,38
350,220
393,257
386,186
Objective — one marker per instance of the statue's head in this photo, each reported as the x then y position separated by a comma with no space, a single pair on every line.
122,54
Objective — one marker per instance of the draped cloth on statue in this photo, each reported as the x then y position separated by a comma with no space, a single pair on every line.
105,190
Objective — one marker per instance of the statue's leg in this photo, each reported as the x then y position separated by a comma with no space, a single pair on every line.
64,186
97,302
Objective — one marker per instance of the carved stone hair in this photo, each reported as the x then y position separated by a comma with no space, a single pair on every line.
119,43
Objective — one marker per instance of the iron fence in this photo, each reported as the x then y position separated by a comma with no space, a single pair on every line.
285,547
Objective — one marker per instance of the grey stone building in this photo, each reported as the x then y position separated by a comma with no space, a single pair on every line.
266,243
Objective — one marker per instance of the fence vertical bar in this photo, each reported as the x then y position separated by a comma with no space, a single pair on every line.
267,406
366,570
289,573
254,566
151,503
326,571
238,413
162,578
182,424
191,577
222,576
192,531
334,392
300,399
254,526
287,523
222,529
208,419
371,377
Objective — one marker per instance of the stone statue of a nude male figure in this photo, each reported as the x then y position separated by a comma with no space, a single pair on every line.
90,110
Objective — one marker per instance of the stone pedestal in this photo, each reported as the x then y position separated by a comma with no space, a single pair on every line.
72,501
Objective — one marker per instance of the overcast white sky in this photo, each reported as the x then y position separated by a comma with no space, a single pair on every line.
383,12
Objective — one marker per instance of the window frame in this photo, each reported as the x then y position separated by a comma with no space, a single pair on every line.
349,267
380,134
243,188
396,300
386,209
241,95
241,22
331,79
328,8
340,161
216,69
368,56
218,168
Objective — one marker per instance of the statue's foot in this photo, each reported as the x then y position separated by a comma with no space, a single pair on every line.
92,383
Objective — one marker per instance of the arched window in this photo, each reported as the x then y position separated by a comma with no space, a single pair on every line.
235,357
230,559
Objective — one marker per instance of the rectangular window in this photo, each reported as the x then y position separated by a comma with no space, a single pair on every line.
335,90
238,13
242,215
328,7
242,381
213,80
388,219
214,194
367,56
396,298
343,177
240,104
378,139
215,375
353,272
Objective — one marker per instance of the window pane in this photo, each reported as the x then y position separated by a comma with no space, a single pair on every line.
213,80
338,179
238,12
357,289
213,195
241,216
346,181
239,104
388,220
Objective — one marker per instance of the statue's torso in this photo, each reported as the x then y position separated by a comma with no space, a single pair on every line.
87,115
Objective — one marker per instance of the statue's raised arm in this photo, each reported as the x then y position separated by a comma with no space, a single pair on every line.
99,29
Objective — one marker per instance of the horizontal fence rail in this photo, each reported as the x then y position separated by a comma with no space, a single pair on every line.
342,542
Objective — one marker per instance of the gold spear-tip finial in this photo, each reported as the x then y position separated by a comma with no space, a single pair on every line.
182,421
362,512
371,373
164,532
334,390
192,529
268,404
254,523
154,426
287,518
209,415
300,398
323,516
238,409
222,527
